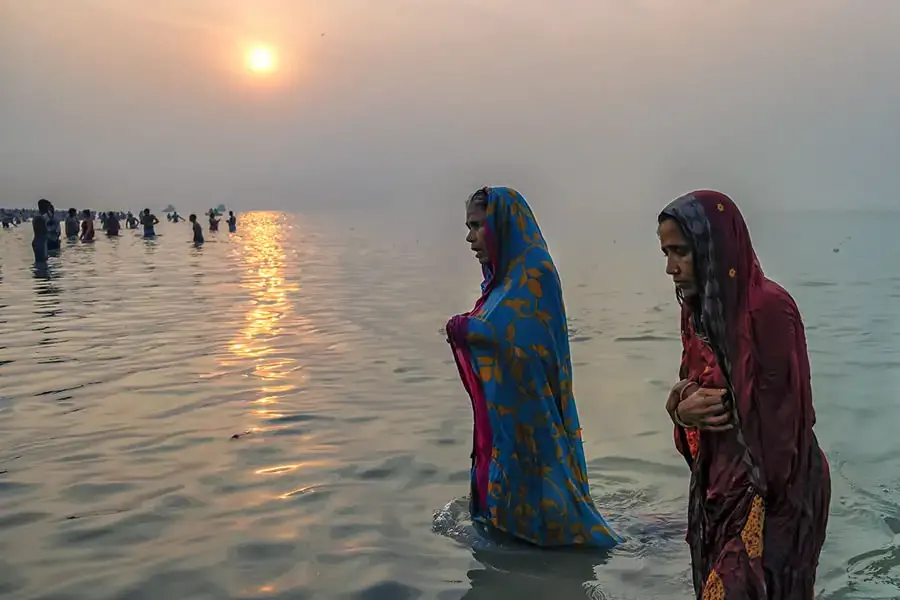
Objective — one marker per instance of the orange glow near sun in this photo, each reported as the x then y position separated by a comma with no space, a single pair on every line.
261,59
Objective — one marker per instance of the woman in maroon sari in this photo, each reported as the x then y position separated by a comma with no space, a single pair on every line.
760,486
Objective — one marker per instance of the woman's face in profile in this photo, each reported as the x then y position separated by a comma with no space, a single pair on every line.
475,220
679,257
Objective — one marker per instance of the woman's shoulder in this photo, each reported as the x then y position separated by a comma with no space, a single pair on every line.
770,299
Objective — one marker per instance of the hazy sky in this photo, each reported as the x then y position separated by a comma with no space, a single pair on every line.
413,103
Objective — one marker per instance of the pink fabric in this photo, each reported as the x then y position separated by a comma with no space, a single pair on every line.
457,330
483,442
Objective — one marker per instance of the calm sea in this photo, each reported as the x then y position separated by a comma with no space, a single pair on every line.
127,368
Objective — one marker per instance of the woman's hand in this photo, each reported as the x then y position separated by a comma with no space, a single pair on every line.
676,395
449,329
704,409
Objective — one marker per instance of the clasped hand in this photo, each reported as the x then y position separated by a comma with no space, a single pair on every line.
703,408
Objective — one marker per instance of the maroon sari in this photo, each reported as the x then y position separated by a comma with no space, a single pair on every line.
759,493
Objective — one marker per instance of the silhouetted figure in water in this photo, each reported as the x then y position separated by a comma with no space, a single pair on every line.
198,231
213,221
52,229
131,221
87,226
112,224
149,222
72,224
232,222
39,225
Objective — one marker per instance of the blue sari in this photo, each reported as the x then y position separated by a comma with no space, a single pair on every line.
529,477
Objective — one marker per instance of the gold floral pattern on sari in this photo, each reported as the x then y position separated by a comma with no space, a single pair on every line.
752,533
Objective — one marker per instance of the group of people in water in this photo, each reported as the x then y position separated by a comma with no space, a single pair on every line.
742,410
47,234
213,224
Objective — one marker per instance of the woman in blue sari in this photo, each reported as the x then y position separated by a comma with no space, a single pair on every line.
529,477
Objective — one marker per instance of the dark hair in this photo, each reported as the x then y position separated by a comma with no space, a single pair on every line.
72,212
44,205
86,212
192,218
480,198
146,211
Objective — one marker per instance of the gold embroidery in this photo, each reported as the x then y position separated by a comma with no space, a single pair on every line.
714,588
732,273
752,533
721,207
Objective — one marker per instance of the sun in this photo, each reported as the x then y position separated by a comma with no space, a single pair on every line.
261,60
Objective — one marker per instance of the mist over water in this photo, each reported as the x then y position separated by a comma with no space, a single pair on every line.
106,104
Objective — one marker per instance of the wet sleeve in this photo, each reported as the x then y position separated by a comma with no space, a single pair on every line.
777,389
681,434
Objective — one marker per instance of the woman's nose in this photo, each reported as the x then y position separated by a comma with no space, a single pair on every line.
671,267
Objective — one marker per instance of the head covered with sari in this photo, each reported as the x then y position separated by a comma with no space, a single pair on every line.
766,479
727,274
529,477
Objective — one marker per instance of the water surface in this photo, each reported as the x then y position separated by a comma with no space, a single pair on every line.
128,367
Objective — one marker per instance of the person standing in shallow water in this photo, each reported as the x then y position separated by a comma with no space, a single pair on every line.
213,221
198,231
112,224
743,413
72,225
53,233
232,222
149,222
87,226
39,227
528,477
